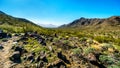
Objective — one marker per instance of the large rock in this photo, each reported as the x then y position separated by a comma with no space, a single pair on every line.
61,44
57,64
3,35
1,47
37,59
45,59
24,38
30,58
92,58
9,35
62,57
20,49
42,41
50,48
50,39
16,57
43,56
40,64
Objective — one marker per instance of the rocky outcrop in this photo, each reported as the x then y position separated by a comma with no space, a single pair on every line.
20,49
1,46
15,57
30,58
63,57
114,20
57,64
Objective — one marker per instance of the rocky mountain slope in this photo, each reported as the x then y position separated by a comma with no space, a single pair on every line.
83,22
13,24
32,50
23,45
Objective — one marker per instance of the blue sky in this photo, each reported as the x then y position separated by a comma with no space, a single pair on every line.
58,12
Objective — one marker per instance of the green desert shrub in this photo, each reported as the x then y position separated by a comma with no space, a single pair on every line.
89,50
106,59
66,42
77,51
107,45
117,41
103,39
113,66
56,39
90,41
83,39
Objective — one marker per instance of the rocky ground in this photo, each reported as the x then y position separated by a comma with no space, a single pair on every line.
32,50
5,53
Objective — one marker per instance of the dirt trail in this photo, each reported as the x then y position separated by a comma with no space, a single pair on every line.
5,53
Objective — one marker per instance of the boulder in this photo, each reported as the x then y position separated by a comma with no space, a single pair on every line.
14,42
91,57
24,38
57,64
50,48
30,57
20,49
33,53
16,57
43,56
25,57
16,34
9,35
42,53
37,59
3,35
93,60
1,47
40,64
26,34
51,39
25,42
44,59
63,57
56,35
43,42
63,45
4,40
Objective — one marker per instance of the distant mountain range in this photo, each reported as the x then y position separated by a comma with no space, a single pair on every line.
8,22
85,22
48,25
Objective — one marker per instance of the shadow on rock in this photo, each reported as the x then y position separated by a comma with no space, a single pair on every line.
16,57
63,57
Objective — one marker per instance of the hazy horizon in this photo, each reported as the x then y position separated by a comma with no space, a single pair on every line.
59,12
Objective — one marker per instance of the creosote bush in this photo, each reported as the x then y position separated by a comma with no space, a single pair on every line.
106,59
89,50
77,51
103,39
